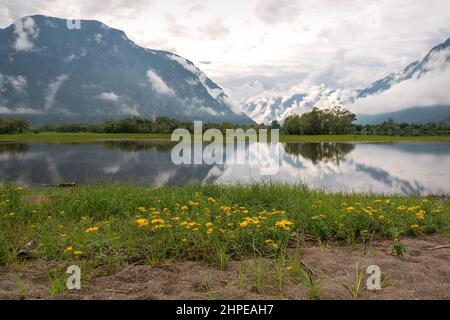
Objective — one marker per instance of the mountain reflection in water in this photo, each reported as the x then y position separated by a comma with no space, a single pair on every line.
407,167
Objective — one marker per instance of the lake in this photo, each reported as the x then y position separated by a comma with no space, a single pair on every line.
398,168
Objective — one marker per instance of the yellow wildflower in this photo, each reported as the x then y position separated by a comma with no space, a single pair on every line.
244,224
92,229
142,222
68,249
420,215
210,230
78,253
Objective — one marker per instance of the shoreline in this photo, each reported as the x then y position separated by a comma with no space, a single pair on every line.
102,137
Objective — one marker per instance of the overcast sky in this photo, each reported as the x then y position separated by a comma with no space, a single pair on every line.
253,46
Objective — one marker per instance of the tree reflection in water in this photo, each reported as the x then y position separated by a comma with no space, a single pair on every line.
14,148
320,152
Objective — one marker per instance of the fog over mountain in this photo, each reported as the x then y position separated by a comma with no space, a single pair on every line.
418,93
49,72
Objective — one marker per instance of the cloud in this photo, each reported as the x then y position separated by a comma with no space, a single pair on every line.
129,110
18,83
158,84
108,96
19,111
430,90
73,57
277,11
214,30
26,32
53,90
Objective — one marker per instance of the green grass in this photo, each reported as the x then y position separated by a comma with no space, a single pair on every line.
91,137
78,137
110,226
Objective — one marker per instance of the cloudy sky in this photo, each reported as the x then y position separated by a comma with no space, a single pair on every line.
255,46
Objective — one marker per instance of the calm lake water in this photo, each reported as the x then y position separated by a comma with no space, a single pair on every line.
406,168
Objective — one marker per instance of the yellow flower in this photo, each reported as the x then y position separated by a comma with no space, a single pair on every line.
401,208
415,226
388,201
12,214
142,222
158,221
381,218
274,246
78,253
210,230
350,209
289,269
209,224
284,224
244,224
184,240
211,199
68,249
420,215
268,241
184,208
92,229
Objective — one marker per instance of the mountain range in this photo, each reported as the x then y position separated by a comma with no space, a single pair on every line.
433,68
52,73
49,72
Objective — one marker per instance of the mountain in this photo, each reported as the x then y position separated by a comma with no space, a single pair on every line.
51,73
435,63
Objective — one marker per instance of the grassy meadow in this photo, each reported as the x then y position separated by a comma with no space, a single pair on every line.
106,227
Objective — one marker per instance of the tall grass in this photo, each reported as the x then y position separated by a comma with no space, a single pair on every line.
113,225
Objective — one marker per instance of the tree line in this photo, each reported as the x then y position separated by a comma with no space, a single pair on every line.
334,120
9,126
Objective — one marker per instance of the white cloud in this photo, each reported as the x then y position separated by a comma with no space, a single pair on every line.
431,89
18,83
19,111
53,88
26,32
129,110
72,57
158,84
277,11
108,96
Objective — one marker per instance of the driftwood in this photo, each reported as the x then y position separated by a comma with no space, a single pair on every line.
62,185
67,185
447,246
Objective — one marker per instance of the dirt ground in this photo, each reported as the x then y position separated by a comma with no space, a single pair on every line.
422,273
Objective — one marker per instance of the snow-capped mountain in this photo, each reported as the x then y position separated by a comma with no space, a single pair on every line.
49,72
415,94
